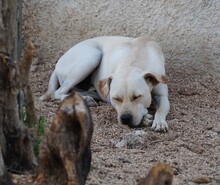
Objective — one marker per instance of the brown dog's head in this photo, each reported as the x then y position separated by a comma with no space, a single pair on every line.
160,174
65,154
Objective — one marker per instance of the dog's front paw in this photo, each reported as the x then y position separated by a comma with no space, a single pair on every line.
159,125
147,120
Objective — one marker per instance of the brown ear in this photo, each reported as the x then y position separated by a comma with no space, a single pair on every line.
154,79
104,86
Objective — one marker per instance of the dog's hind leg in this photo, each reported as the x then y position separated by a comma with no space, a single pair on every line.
85,63
91,97
52,86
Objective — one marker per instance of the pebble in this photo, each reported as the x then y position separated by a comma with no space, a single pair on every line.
124,160
133,139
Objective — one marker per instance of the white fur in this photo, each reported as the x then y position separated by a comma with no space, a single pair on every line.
120,68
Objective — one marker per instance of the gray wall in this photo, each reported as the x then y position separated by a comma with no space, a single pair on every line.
188,30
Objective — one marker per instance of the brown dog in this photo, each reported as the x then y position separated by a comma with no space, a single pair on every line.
161,174
65,154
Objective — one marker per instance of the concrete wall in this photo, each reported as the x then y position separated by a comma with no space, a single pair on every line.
188,30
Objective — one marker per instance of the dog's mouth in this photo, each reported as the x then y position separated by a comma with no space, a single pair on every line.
130,125
127,125
124,126
146,121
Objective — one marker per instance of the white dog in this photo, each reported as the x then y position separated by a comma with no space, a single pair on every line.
127,72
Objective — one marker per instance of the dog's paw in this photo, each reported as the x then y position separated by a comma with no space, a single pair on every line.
45,97
159,125
91,102
63,96
147,120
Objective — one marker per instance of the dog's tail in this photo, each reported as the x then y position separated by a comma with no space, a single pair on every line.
52,87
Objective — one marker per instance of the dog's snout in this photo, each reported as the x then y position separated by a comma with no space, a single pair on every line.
127,119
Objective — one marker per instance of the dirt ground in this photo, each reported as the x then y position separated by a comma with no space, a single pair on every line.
191,147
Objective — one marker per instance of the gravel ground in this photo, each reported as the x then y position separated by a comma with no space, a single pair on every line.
192,145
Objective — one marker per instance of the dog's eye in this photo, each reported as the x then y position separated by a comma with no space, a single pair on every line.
118,99
135,97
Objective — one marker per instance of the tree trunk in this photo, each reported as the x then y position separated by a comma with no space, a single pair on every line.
16,153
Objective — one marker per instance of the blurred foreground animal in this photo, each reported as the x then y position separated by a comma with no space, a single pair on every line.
160,174
65,154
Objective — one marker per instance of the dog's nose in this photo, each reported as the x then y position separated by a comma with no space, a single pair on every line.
126,119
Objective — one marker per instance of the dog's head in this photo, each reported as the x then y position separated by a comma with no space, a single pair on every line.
130,94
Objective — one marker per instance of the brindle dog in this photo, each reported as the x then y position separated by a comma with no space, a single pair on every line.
65,154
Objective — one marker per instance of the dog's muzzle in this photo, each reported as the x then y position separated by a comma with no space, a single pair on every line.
127,119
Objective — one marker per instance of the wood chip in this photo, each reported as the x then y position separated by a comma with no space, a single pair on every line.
201,179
